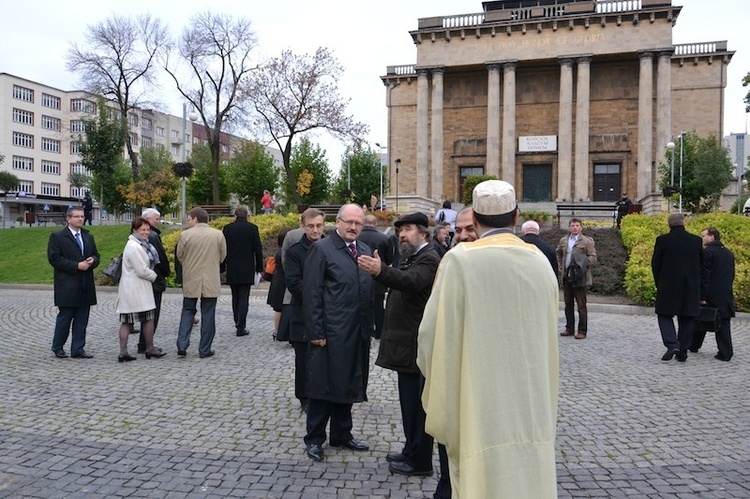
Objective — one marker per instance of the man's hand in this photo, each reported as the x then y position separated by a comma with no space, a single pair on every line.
371,265
319,343
86,264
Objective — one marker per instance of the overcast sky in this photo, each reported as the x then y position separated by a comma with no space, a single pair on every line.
364,36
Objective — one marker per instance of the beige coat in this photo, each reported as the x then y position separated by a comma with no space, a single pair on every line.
134,293
487,347
584,246
201,250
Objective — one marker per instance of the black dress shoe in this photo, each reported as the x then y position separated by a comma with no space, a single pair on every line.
395,457
242,332
60,354
157,355
681,357
125,358
315,452
82,355
408,470
352,445
669,354
181,353
694,350
204,355
718,356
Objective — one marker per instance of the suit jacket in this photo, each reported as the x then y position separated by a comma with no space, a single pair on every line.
162,268
376,240
717,278
676,266
244,251
73,287
544,246
200,250
584,246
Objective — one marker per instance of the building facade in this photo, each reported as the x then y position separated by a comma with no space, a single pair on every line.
569,100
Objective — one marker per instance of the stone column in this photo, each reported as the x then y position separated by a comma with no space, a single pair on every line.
645,123
493,119
583,87
565,132
436,190
663,102
423,131
509,122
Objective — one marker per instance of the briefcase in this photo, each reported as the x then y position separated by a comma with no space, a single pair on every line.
708,320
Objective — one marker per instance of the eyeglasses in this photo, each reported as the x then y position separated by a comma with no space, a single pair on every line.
355,223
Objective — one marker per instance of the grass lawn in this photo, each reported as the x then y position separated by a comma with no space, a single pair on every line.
23,251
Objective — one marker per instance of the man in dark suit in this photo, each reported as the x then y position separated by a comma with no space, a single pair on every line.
530,234
338,311
376,240
717,279
162,268
244,259
72,253
676,265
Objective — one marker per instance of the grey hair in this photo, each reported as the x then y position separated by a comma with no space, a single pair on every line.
150,212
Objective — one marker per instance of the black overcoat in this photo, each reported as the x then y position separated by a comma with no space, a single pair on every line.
73,287
544,247
410,286
162,269
676,266
294,273
338,308
244,252
376,240
717,279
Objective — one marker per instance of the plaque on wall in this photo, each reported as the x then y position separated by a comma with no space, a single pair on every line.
537,143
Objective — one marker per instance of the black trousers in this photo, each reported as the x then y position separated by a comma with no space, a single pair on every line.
378,314
419,445
141,338
240,300
443,490
300,370
723,340
673,339
571,293
318,414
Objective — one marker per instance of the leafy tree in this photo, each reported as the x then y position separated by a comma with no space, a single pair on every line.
746,82
158,185
199,188
8,181
308,165
216,48
120,176
250,171
364,167
118,62
294,94
79,180
471,182
706,172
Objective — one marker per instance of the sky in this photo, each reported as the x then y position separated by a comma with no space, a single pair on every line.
365,37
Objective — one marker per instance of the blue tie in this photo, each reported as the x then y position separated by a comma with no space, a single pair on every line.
79,241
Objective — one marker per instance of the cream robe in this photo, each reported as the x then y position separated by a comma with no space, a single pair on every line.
488,350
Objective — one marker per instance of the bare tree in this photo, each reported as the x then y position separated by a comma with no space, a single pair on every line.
118,61
216,48
294,94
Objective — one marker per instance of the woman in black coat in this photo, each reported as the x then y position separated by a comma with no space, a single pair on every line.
278,284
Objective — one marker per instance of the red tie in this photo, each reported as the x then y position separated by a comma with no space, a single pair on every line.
353,251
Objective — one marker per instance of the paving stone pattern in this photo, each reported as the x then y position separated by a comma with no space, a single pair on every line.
630,425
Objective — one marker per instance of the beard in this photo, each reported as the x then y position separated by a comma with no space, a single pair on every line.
406,248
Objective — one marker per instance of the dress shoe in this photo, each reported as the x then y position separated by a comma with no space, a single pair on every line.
208,354
395,457
566,333
60,354
181,353
718,356
352,445
82,355
681,357
669,354
157,354
694,350
315,452
408,470
580,336
242,332
142,349
125,358
135,331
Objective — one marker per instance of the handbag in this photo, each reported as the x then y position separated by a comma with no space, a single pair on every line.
114,269
709,320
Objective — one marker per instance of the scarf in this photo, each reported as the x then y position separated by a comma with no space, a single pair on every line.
153,255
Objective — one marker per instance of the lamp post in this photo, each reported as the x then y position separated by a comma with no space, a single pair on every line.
682,144
398,162
349,171
671,146
381,174
739,173
193,116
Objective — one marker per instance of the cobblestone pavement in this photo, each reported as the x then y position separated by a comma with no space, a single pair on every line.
630,424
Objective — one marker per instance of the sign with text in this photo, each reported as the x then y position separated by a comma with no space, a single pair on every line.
535,143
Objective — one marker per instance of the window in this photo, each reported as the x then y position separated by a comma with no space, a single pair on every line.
133,139
25,186
50,167
133,119
23,93
146,142
50,101
50,145
75,147
537,183
175,151
82,105
23,139
77,126
78,192
50,189
23,163
51,123
146,124
224,148
196,140
79,168
23,117
160,131
175,134
464,172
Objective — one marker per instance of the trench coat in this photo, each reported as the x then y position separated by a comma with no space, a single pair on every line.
584,246
338,308
135,291
717,279
676,266
201,250
294,273
244,251
73,287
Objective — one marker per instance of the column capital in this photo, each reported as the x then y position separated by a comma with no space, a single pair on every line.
565,60
493,65
437,69
584,59
665,52
510,64
645,54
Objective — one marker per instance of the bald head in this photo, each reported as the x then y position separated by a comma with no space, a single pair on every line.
371,221
530,227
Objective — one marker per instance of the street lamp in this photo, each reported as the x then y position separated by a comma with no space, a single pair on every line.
349,171
682,144
739,187
398,162
381,173
671,146
193,116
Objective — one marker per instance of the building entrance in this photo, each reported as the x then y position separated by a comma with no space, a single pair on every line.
607,182
537,183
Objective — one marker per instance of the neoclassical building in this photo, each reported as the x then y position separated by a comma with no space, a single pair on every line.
569,100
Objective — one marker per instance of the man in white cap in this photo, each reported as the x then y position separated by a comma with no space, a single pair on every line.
488,350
